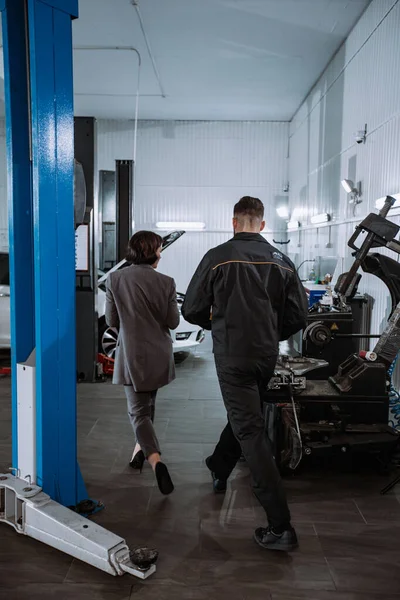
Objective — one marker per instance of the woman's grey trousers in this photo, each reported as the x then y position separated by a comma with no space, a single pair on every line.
141,407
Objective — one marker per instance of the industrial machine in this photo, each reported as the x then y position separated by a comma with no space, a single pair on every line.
348,410
334,331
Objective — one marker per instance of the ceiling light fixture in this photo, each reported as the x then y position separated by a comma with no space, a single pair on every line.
192,225
293,225
322,218
350,188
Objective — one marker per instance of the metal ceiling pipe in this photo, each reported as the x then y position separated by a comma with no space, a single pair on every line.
123,49
135,4
136,51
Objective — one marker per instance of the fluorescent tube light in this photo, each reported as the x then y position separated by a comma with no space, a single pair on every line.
322,218
293,225
283,212
193,225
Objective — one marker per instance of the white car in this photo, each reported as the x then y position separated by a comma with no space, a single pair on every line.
185,338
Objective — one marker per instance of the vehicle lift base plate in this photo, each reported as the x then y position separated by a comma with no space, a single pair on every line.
31,512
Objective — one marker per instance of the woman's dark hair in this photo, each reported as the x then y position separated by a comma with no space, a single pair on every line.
142,248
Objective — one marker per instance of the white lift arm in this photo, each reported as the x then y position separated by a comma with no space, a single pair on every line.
31,512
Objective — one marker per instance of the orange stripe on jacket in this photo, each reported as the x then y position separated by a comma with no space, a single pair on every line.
248,262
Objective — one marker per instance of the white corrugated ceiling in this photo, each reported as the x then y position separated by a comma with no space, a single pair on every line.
217,59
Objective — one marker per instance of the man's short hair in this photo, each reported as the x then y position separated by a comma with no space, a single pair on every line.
249,207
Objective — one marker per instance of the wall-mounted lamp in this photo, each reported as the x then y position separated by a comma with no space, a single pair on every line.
192,225
322,218
360,136
350,188
282,211
381,201
293,225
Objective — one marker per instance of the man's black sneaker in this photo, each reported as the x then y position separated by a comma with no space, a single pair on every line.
219,485
285,542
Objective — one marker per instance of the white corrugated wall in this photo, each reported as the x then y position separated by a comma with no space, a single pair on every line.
196,171
360,86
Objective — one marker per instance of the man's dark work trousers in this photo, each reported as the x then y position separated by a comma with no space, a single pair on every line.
241,381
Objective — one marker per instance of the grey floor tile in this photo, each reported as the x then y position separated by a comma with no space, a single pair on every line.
86,575
175,591
330,596
378,509
326,510
26,561
379,575
205,541
205,390
359,540
65,591
270,571
179,454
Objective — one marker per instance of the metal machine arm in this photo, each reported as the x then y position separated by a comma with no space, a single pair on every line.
380,233
388,271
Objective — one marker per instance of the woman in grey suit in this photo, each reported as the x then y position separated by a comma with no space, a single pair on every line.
142,304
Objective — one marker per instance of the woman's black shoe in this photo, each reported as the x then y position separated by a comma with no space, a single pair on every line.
163,479
137,461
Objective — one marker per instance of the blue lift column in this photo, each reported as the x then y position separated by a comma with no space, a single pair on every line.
19,185
40,151
51,80
40,140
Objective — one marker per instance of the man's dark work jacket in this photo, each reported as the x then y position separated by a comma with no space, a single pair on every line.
249,294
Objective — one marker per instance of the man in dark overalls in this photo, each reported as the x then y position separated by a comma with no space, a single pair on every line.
250,296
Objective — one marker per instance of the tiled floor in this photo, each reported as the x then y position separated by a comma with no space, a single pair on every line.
349,534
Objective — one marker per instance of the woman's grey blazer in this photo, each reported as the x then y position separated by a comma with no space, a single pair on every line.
142,304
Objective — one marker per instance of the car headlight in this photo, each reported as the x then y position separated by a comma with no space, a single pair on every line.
182,336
